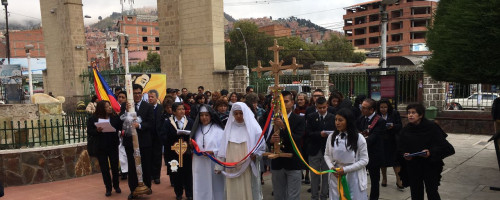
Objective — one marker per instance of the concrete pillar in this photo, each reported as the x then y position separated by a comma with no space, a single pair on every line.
320,77
191,42
241,79
434,92
64,38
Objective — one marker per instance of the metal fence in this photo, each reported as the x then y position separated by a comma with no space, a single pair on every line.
470,96
68,129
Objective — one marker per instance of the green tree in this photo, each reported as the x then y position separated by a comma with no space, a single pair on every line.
338,49
152,63
464,42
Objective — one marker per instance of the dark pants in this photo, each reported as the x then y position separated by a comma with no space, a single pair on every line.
146,167
374,179
421,173
183,180
110,153
156,157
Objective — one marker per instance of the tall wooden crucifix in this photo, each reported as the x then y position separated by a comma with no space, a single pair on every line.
180,148
276,70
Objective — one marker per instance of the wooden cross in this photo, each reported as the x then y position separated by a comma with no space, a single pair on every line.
276,70
180,148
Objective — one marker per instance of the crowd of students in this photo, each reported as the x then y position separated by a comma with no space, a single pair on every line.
331,133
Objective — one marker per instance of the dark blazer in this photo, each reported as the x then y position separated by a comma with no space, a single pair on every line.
297,126
157,120
144,133
314,127
374,141
107,139
169,134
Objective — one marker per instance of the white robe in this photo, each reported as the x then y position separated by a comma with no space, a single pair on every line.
353,163
206,184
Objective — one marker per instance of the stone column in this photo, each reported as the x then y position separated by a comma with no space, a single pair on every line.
434,92
320,77
241,79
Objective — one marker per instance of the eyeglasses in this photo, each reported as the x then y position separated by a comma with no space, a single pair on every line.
137,93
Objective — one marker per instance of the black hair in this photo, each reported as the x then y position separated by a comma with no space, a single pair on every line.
100,109
184,89
371,102
118,89
319,90
201,87
320,100
176,105
359,100
238,96
208,92
335,95
287,93
390,109
248,88
224,92
352,132
198,97
137,86
122,92
418,107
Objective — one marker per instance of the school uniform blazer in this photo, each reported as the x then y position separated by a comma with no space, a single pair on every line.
144,133
374,141
314,127
297,126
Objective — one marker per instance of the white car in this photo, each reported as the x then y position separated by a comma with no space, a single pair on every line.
471,102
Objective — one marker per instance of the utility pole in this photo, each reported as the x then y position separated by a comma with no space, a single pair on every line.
384,19
5,3
246,48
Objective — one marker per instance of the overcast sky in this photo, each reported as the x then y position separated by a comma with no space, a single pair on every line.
326,13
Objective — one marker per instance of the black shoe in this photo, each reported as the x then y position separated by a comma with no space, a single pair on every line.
307,182
157,181
118,190
178,198
124,176
190,198
309,190
108,192
131,196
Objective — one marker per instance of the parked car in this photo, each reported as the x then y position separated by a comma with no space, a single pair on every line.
471,102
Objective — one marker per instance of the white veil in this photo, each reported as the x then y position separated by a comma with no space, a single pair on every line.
254,131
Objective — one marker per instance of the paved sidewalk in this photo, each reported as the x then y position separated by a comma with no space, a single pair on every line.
467,175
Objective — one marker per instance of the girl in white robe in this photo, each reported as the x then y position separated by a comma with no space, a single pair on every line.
207,132
240,137
346,149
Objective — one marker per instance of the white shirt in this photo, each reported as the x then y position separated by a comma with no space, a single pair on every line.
180,122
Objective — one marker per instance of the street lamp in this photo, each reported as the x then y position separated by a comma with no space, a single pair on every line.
298,55
28,48
126,50
5,3
246,49
383,13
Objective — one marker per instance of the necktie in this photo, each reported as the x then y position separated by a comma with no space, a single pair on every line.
321,118
367,122
136,107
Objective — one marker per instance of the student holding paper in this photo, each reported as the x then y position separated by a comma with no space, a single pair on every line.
107,143
422,135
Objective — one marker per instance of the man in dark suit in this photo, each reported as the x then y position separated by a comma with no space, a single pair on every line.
317,124
287,171
315,95
155,136
373,128
145,112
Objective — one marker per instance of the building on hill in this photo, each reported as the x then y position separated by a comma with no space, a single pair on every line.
407,26
143,34
19,39
276,30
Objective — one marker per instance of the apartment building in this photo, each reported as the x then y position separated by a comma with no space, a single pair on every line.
406,28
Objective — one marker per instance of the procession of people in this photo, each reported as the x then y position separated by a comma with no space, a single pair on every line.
216,145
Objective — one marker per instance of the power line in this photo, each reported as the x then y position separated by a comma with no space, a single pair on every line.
254,3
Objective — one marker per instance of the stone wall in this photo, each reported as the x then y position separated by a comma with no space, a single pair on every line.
320,77
47,164
434,92
241,79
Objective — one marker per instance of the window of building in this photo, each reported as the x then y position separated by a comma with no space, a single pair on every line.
144,39
397,37
348,32
396,13
360,31
419,23
129,18
376,6
417,35
144,29
373,17
420,10
360,42
145,48
396,25
157,48
374,29
360,20
157,39
348,22
373,40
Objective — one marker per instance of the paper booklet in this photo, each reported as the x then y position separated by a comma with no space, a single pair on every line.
105,125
